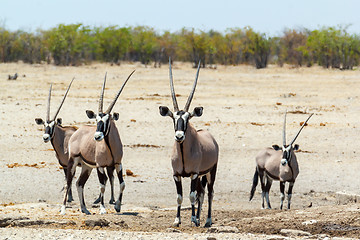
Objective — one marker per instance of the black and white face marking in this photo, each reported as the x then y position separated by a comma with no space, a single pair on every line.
102,128
286,155
181,120
48,129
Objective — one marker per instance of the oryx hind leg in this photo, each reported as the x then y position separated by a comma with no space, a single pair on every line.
210,187
110,173
263,187
118,168
70,196
84,176
200,196
179,199
267,190
73,162
102,179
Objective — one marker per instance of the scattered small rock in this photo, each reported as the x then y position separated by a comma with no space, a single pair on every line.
293,232
97,222
310,222
223,229
172,230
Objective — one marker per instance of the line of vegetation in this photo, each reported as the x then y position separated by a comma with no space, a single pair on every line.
76,44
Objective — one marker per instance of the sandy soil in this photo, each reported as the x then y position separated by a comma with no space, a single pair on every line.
243,109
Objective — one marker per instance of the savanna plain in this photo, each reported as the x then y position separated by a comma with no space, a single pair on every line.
243,109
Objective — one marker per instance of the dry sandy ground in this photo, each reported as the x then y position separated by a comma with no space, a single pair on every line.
243,109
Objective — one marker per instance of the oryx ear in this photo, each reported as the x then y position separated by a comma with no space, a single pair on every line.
115,116
197,112
165,111
276,147
296,147
39,121
59,121
90,114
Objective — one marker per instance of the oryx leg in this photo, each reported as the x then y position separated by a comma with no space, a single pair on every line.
110,173
102,179
177,179
291,185
200,196
210,186
80,183
262,182
267,190
70,196
118,168
282,196
73,162
192,196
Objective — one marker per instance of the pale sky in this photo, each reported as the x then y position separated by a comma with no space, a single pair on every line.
266,16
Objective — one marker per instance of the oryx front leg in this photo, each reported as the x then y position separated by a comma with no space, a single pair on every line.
118,168
291,185
210,186
282,196
102,179
69,177
70,196
84,176
200,195
177,221
194,183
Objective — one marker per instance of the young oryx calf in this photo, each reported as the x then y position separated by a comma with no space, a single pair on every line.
278,164
97,146
195,155
58,135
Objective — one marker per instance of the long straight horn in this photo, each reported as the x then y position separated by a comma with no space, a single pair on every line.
62,102
284,130
176,106
101,100
187,105
118,94
48,105
300,129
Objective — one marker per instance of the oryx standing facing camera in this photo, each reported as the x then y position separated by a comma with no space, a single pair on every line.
58,135
97,147
195,155
278,164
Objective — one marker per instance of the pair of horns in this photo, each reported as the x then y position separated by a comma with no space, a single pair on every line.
284,130
101,100
187,105
62,102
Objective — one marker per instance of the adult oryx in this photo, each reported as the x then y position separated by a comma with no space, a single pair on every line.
58,135
97,147
195,155
278,164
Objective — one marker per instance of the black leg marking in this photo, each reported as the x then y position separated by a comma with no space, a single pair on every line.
210,195
119,172
291,185
102,179
193,186
267,190
84,176
70,196
179,191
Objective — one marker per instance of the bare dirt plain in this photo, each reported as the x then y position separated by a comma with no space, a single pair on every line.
243,109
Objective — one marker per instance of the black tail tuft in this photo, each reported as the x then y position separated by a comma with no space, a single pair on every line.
255,182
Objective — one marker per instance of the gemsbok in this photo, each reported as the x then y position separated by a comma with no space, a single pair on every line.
97,147
58,135
195,155
279,164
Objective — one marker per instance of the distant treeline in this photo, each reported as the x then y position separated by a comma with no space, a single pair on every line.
77,44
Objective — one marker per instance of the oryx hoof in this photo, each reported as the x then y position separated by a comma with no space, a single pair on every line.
84,210
117,206
62,210
195,221
102,210
208,222
177,222
112,201
70,199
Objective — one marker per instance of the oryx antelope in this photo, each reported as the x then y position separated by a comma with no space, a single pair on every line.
195,155
277,163
97,147
58,135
